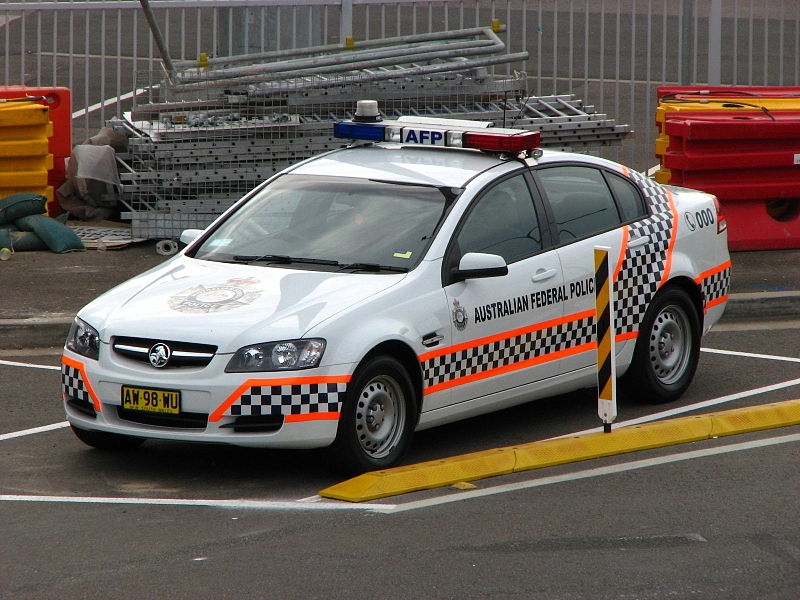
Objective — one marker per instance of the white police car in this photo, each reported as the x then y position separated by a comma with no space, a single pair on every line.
395,285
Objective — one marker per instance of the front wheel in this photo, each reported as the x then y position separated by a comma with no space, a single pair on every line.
667,349
106,441
377,420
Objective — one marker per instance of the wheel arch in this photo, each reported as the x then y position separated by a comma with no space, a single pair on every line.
693,290
408,358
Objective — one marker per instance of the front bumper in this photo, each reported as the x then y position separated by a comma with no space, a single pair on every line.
298,409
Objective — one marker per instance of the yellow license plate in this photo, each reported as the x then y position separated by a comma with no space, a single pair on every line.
151,400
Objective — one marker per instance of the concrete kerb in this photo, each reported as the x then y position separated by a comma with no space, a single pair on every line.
762,305
34,332
548,453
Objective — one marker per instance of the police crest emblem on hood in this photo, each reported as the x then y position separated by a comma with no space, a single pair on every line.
216,297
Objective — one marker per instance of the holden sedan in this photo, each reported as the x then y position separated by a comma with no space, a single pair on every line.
431,271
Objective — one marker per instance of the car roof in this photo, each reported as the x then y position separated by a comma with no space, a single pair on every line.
406,164
447,167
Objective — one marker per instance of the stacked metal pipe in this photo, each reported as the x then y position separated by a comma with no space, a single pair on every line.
208,135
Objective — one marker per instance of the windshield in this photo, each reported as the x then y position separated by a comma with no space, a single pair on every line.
333,222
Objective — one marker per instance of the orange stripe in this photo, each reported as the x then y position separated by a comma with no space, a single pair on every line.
623,247
713,271
217,414
631,335
317,416
716,302
79,365
505,335
672,236
531,362
625,170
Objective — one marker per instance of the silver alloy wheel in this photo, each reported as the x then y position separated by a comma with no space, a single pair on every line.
380,416
670,344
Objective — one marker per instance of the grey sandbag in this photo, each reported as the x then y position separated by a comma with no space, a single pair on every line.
21,205
59,238
5,239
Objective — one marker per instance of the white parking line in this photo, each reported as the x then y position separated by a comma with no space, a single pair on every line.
645,419
588,473
11,363
24,432
229,504
691,407
751,355
299,505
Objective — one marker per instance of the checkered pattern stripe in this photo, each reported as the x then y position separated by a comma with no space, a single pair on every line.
289,399
643,267
72,382
501,353
716,286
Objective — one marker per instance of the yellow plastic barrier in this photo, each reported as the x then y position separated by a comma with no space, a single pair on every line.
717,104
25,158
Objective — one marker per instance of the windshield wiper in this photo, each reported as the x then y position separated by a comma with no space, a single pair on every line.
375,267
283,259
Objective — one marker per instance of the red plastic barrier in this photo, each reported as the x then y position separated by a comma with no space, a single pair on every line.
763,224
732,142
712,139
742,184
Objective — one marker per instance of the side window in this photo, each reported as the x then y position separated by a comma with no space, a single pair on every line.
503,222
628,197
581,201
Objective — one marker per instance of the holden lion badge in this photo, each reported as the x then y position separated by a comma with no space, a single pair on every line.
216,297
460,317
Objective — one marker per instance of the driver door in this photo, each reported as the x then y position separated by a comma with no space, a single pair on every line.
503,327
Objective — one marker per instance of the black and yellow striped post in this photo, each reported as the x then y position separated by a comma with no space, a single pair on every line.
604,323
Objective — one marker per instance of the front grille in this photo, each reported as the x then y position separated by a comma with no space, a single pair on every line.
183,354
255,423
82,406
184,420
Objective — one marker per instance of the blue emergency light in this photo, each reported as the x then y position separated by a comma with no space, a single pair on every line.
351,130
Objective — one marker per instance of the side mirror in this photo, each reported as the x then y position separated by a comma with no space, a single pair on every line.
474,265
190,235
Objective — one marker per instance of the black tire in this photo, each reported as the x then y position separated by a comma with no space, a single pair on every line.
377,420
667,349
106,441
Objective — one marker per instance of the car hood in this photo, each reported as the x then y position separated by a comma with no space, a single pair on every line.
228,305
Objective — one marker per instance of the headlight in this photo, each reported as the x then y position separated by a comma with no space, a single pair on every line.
83,339
277,356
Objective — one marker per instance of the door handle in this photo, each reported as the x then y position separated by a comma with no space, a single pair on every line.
543,274
639,241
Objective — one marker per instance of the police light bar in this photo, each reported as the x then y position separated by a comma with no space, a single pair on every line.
445,133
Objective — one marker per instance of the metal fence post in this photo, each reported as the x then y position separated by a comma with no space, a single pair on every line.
715,42
345,20
686,50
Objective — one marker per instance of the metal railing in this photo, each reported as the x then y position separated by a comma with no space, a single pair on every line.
611,53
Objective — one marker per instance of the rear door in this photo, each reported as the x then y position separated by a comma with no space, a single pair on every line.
589,206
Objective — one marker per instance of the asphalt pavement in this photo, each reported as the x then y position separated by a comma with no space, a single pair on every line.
40,292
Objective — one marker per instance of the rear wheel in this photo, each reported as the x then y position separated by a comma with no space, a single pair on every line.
667,349
106,441
377,420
